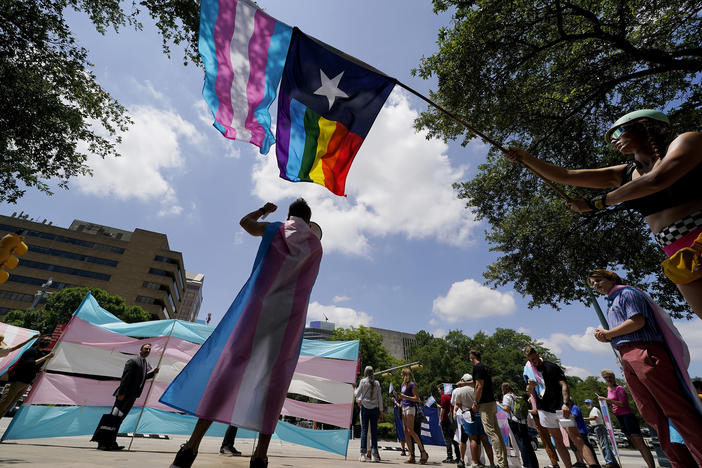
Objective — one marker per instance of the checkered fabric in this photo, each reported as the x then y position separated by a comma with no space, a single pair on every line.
678,229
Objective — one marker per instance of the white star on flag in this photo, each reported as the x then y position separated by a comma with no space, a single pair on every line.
330,88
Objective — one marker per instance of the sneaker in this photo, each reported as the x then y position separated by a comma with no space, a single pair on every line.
229,451
184,458
362,458
460,464
375,458
448,460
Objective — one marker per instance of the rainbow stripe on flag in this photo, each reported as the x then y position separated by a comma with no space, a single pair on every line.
327,104
243,50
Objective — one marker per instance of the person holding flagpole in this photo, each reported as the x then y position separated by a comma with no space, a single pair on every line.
241,374
654,360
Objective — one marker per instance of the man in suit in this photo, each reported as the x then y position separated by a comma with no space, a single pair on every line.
135,374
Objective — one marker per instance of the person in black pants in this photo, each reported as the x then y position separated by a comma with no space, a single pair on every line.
227,449
448,425
517,408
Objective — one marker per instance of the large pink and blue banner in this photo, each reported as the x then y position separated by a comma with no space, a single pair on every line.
76,388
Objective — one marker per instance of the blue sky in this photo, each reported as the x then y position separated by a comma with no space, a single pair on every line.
401,252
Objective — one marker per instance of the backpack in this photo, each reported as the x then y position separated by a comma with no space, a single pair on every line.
521,408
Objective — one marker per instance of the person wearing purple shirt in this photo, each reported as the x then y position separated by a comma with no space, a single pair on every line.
650,373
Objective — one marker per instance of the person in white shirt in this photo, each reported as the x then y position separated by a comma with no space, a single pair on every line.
471,425
598,427
370,399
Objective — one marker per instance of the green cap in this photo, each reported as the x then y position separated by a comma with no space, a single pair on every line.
636,115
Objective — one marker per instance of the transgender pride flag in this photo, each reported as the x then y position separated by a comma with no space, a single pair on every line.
243,50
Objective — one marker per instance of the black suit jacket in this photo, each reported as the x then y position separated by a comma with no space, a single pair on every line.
131,383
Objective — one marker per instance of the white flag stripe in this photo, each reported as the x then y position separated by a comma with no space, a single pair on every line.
239,56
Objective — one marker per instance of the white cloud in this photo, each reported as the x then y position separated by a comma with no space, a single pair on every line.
337,299
149,149
526,331
343,317
439,333
585,342
400,183
578,372
691,331
469,299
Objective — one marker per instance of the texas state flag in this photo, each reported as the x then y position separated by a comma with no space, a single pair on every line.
327,103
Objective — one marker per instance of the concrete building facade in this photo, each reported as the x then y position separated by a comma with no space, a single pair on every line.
192,299
396,343
138,265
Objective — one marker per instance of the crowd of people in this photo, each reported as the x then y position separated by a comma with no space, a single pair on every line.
469,423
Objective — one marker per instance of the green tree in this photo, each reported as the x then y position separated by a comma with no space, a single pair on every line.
50,101
446,359
371,348
61,305
552,75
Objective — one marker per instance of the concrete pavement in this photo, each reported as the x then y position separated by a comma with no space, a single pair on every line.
79,452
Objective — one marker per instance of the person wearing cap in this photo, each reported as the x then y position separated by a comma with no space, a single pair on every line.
463,399
661,182
598,427
654,361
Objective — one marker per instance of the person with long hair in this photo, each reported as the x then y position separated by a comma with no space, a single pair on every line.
369,396
410,399
518,424
617,397
661,183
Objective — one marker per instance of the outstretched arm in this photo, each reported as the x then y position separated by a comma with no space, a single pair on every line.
251,223
605,177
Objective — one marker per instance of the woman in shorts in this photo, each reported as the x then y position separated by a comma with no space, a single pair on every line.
661,182
410,399
617,397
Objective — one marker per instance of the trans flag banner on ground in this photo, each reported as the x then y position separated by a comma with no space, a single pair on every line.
69,398
326,107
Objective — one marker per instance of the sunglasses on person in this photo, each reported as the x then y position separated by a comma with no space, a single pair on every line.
618,131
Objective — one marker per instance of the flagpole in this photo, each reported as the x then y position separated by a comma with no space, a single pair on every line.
484,137
146,399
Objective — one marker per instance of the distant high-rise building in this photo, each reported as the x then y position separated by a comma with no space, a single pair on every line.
319,330
192,299
138,265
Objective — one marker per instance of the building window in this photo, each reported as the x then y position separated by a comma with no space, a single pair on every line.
151,285
66,270
156,271
72,255
15,296
149,300
68,240
39,282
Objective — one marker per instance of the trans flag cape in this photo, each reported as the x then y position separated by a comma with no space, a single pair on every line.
241,374
243,50
677,348
532,373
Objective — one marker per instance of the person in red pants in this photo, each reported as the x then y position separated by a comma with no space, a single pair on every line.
653,356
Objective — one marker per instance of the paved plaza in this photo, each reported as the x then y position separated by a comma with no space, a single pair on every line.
79,452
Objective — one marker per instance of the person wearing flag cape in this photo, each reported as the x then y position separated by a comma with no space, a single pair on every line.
654,360
241,374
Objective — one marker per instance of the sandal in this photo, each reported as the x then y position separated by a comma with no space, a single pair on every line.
423,458
411,461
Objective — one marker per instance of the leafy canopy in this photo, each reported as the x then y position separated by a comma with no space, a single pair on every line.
61,305
551,76
52,109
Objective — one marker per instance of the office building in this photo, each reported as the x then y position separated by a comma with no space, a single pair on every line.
137,265
192,299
